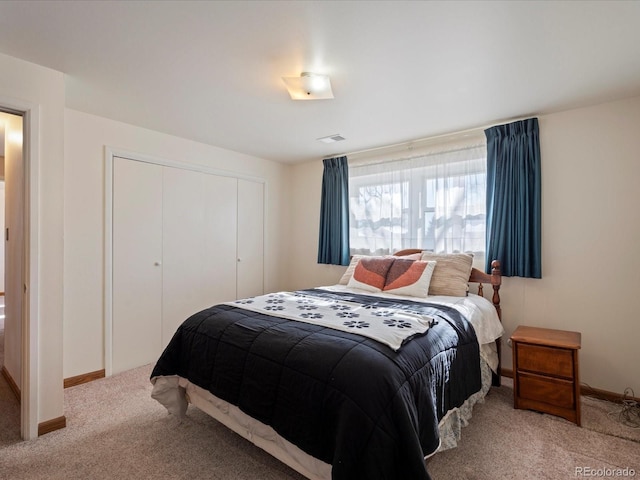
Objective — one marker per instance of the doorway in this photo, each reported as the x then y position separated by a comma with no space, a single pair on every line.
11,271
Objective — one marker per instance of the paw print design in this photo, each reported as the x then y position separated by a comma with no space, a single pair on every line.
383,313
244,301
348,314
307,307
339,307
311,315
274,308
275,300
392,322
356,324
371,306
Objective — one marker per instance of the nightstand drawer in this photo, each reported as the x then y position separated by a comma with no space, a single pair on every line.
552,391
548,360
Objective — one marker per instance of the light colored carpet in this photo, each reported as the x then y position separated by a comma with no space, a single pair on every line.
605,417
116,431
503,443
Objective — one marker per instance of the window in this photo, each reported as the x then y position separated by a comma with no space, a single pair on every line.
432,201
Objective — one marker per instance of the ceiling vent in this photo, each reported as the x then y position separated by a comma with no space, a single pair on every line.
331,138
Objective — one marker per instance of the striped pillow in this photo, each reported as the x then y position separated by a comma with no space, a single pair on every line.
370,274
409,277
451,275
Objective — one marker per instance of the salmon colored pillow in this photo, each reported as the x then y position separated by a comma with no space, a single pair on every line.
409,277
344,280
370,274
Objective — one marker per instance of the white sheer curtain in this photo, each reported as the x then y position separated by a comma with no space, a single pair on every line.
433,200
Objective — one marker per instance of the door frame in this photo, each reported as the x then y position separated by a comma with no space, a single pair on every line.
30,309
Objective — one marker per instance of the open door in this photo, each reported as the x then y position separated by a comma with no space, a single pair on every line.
13,246
21,353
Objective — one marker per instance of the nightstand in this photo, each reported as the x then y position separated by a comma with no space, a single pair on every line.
545,371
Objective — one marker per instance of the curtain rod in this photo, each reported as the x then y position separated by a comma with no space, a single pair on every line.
426,140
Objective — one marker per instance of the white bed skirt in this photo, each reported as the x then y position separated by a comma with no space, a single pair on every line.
176,392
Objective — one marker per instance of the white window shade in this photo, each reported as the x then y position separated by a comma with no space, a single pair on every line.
431,197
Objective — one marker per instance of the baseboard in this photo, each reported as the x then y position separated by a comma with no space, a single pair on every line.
44,427
84,378
12,384
605,395
586,390
52,425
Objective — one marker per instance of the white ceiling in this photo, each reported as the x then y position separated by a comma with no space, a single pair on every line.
210,71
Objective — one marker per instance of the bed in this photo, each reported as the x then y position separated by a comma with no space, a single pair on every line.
349,381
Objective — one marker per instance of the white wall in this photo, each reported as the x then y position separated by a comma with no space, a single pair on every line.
22,82
85,139
591,234
304,271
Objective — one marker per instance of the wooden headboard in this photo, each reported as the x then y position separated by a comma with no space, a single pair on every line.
478,276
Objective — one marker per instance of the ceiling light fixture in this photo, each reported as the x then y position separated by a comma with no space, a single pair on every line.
309,86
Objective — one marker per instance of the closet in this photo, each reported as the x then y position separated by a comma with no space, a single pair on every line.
182,240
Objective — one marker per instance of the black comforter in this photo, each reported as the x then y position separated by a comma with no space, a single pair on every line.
352,402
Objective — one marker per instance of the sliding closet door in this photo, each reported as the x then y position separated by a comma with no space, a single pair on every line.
183,247
250,238
137,258
221,220
199,215
183,241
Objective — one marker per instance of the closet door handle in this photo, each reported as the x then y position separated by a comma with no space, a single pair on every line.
157,264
